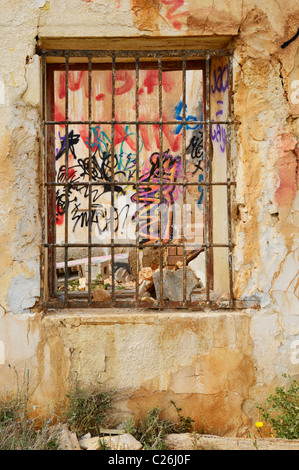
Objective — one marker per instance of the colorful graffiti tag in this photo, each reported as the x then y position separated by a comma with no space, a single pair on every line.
94,157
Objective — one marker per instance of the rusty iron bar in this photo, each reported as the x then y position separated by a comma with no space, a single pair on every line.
134,123
137,176
206,177
132,245
112,180
134,53
161,290
89,175
44,176
66,213
184,179
194,306
228,174
144,183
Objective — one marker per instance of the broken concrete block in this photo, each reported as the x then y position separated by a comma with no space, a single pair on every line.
101,295
202,296
146,288
90,443
121,442
198,266
145,274
67,439
173,284
82,283
106,269
121,275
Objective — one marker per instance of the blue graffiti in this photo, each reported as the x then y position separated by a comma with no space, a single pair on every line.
178,111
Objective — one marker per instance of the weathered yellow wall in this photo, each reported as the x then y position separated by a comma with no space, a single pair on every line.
213,364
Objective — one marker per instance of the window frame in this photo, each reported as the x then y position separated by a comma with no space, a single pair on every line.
49,242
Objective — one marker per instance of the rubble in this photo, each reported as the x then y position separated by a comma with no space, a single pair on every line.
193,441
67,439
121,275
145,274
174,278
112,442
101,295
198,266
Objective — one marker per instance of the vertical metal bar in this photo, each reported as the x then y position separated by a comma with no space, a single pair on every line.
228,175
89,177
160,305
50,176
112,178
184,183
44,179
66,213
137,176
206,178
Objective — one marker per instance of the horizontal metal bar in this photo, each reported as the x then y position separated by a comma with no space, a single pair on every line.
138,183
134,53
153,123
133,245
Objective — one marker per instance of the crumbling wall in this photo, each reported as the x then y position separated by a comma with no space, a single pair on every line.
218,361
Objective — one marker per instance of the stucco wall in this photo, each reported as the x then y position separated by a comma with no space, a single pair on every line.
213,364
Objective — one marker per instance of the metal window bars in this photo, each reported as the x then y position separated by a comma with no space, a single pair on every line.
132,58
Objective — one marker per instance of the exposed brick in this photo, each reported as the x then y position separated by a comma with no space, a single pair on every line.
172,260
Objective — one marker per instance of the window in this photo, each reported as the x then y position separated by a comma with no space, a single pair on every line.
137,178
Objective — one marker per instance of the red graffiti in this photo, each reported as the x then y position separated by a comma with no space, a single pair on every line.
173,18
59,116
173,139
59,216
125,76
100,97
121,136
76,80
152,80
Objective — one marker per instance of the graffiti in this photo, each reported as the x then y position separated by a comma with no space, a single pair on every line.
195,150
220,85
178,110
98,167
220,81
151,81
170,14
76,80
73,140
287,43
105,217
94,157
218,134
150,199
125,76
